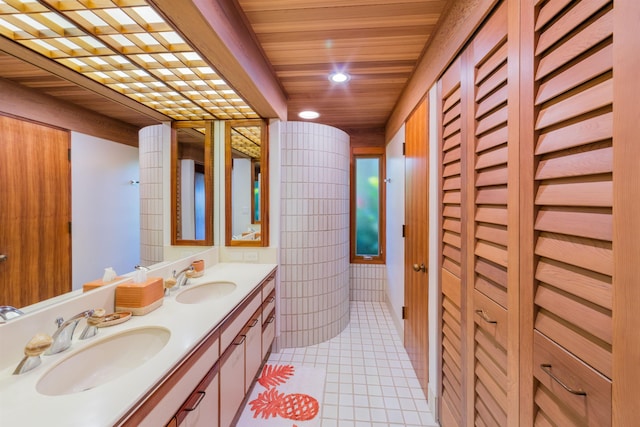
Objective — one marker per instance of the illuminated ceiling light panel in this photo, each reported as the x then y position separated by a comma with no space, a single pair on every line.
308,115
128,47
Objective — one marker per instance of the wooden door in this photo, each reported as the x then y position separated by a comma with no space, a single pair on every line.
416,336
35,212
573,282
491,252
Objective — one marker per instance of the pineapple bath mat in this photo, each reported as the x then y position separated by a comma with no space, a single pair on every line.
285,395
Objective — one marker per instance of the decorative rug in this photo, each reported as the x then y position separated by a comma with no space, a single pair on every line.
285,395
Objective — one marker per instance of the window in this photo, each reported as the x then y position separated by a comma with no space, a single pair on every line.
367,205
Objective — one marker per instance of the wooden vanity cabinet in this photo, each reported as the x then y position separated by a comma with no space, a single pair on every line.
241,360
210,385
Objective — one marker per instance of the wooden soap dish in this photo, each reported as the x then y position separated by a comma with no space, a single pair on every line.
114,319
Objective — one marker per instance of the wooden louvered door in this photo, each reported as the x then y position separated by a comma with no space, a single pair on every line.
451,166
492,262
572,210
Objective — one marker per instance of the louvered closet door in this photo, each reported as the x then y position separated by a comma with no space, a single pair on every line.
573,213
451,262
489,256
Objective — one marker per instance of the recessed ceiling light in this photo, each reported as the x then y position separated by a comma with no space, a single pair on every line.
339,77
308,115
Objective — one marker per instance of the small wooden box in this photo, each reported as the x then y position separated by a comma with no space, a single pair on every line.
140,298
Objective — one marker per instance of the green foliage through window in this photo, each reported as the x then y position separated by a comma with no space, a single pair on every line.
367,206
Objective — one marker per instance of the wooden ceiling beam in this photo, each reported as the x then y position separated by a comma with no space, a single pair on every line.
218,31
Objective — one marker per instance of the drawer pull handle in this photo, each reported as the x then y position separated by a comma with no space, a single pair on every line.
271,319
272,299
547,368
195,405
255,321
485,317
242,338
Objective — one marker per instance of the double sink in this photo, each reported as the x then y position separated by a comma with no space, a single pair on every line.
106,359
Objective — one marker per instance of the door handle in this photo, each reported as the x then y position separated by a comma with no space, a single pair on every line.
3,257
420,267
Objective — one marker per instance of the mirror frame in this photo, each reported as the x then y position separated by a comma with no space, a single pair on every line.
264,183
208,182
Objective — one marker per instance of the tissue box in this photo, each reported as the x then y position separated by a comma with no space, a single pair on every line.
97,283
140,298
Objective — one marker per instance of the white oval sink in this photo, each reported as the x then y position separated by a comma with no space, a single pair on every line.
103,361
205,292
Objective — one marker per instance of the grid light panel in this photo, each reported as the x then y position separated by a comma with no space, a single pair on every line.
246,139
128,47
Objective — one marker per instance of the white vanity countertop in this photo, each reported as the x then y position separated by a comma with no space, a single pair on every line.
21,404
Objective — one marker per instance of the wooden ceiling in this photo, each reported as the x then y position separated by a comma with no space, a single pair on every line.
377,42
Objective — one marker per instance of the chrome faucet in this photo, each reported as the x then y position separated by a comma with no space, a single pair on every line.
182,276
8,312
63,335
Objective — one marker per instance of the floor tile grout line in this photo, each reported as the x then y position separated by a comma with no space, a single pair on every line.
356,353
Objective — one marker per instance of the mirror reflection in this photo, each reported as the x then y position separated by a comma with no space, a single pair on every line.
246,152
192,183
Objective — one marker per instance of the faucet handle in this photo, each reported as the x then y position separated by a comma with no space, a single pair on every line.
97,316
91,329
32,351
38,345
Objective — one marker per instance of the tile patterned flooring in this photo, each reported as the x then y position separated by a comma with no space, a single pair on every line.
370,381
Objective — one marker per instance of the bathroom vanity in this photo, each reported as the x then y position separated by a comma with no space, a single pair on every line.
190,362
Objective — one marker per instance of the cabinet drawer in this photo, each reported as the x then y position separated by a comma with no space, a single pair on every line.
268,305
490,317
239,318
570,392
269,286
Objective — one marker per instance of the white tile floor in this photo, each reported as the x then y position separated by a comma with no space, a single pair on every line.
370,381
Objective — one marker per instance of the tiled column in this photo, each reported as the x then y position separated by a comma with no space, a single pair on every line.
152,143
314,262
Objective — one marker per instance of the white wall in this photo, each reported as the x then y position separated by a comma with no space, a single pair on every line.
241,195
105,207
395,220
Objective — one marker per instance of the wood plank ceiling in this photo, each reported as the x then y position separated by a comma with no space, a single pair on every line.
377,42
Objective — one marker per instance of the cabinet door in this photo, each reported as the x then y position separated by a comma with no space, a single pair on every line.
232,370
201,409
253,351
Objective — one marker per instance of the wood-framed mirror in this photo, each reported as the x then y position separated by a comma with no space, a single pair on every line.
247,183
192,183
